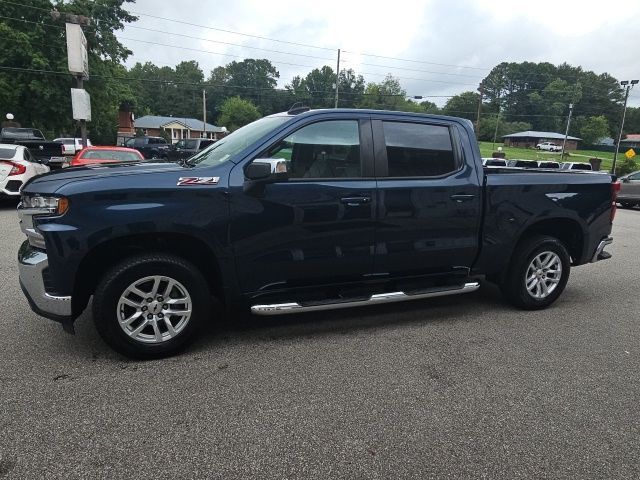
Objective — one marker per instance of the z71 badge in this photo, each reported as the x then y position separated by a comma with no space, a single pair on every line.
198,181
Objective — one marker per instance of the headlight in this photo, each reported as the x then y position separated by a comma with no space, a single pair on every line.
44,204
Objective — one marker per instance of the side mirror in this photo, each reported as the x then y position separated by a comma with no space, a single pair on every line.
263,171
270,170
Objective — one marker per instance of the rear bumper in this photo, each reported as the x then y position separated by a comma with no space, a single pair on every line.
600,254
31,264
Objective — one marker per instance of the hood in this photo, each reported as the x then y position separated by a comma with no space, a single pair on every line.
51,182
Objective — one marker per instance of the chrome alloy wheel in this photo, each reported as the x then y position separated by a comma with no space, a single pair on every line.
543,275
154,309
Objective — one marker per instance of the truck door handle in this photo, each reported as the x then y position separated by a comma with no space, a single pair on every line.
462,198
355,201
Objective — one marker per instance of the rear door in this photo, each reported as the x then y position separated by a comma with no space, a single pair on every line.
429,197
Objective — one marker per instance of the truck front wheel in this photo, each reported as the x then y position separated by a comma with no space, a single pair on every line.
538,273
151,306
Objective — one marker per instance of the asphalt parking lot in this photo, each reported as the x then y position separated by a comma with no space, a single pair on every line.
458,387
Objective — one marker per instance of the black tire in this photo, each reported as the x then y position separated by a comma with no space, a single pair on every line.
513,285
626,205
119,278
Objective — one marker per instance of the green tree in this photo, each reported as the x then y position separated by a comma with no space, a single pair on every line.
594,129
251,79
316,89
464,105
541,93
429,107
351,88
236,112
41,98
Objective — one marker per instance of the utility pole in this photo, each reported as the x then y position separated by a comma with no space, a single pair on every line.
337,78
628,86
204,113
566,132
495,133
481,90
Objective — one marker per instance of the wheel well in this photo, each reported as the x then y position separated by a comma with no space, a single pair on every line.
111,252
566,230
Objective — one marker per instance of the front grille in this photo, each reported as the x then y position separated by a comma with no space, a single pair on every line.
14,185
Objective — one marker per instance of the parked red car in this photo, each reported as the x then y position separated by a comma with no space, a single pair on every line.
97,155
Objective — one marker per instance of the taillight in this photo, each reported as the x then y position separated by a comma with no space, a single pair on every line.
615,188
16,168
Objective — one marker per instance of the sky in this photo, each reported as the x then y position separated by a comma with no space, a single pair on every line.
438,47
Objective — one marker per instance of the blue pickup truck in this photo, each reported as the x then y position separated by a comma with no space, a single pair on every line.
302,211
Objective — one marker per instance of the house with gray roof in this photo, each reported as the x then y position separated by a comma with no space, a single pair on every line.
531,138
178,127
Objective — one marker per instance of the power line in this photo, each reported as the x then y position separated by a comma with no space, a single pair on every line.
278,62
276,51
205,84
409,69
416,61
550,75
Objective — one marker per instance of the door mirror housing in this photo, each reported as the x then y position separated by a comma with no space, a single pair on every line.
269,170
263,171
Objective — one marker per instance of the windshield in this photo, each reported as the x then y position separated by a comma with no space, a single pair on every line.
116,155
22,133
232,144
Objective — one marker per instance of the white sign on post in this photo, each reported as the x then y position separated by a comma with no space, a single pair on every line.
81,104
77,56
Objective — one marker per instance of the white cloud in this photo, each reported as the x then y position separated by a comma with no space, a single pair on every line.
480,33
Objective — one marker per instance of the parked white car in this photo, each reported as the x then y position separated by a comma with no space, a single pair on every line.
576,166
549,146
17,165
70,146
494,162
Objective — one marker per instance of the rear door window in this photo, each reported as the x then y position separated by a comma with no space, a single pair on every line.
418,150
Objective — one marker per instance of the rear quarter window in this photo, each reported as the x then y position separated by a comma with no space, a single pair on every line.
7,153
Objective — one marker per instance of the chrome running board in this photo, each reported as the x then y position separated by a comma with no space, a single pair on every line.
380,298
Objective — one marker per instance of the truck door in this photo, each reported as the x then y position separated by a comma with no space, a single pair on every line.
429,198
316,227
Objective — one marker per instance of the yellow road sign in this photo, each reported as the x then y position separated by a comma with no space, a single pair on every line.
630,153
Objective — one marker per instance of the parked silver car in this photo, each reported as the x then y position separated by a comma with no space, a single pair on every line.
629,195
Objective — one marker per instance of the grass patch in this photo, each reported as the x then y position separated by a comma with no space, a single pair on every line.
513,153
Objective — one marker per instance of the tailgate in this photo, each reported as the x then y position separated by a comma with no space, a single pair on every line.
44,149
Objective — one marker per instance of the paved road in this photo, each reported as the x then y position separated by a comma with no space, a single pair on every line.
455,387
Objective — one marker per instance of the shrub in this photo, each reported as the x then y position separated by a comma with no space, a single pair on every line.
625,166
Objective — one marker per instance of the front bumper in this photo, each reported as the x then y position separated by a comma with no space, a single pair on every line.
31,264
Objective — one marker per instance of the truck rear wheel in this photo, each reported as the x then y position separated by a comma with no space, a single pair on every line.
538,273
151,306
